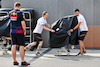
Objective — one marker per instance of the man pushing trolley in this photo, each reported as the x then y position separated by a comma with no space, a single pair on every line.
41,24
83,31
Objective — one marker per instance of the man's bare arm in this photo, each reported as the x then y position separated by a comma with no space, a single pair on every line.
48,25
24,26
44,27
76,27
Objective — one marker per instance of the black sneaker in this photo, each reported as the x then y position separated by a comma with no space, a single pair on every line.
25,63
84,52
15,63
79,54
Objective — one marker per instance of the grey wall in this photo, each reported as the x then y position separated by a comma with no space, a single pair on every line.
7,3
59,8
96,12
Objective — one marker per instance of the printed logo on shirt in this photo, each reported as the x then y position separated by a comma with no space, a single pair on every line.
13,16
23,16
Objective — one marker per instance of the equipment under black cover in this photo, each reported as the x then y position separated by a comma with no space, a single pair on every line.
62,35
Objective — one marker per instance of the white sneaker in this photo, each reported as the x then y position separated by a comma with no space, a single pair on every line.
38,54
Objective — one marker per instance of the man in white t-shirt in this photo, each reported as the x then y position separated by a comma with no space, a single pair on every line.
83,31
41,24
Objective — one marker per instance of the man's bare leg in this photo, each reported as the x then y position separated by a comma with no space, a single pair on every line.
81,45
39,46
30,45
33,43
13,49
22,53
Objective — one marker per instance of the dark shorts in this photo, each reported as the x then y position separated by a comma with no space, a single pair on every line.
82,35
18,39
37,37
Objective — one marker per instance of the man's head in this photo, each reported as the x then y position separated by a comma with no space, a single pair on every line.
45,14
17,5
77,12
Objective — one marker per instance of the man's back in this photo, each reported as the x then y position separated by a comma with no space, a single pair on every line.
16,17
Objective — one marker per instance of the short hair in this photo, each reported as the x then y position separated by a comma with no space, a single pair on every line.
17,4
44,12
76,10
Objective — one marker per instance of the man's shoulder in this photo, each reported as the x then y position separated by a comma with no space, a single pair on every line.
11,11
40,19
81,16
20,12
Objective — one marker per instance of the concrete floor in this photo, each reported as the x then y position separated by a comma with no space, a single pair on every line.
48,59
